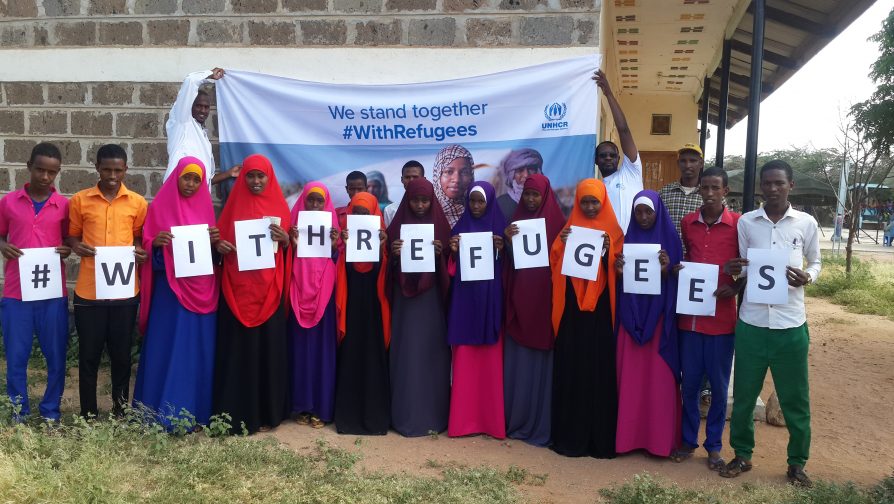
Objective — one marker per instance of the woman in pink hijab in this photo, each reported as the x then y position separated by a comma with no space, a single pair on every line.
312,326
178,316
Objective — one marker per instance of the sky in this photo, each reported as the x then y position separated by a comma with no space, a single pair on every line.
806,110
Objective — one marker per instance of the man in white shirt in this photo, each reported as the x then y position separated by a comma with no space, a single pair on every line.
775,336
411,170
186,131
621,184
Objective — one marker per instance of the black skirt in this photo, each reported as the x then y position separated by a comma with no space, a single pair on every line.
251,371
585,389
362,393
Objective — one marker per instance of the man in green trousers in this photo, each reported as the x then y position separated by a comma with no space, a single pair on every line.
775,336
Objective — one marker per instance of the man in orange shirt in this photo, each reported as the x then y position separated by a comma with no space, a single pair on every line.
107,214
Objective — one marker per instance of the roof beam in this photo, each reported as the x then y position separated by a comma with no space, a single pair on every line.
744,80
796,22
769,56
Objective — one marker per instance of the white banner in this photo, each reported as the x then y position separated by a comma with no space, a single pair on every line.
363,238
642,271
254,246
313,234
529,247
583,250
319,131
696,284
191,248
115,273
417,254
40,274
476,256
767,282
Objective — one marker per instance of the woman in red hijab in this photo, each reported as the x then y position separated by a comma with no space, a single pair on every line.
178,316
362,394
528,349
251,381
585,386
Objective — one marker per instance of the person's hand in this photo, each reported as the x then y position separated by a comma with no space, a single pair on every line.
511,230
396,246
676,269
344,234
162,239
454,243
140,254
217,73
498,242
564,234
796,277
726,291
234,171
333,236
619,264
602,82
214,234
734,266
83,250
663,260
606,242
438,247
383,236
10,251
279,234
224,247
63,250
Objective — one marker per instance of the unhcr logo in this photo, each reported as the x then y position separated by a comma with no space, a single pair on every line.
554,114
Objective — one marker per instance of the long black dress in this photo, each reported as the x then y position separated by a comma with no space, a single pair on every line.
362,393
585,390
251,371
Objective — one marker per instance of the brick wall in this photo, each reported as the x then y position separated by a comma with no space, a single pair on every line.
79,117
198,23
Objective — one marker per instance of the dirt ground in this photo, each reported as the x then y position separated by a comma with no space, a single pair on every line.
852,393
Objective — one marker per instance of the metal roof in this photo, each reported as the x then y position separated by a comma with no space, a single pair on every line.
795,31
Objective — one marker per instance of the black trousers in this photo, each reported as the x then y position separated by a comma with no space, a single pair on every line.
104,325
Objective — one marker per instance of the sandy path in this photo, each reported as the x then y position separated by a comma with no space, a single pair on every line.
852,389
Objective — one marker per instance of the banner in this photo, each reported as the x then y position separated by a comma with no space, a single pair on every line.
316,131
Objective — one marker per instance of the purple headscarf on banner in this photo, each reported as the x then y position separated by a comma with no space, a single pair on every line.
640,313
476,308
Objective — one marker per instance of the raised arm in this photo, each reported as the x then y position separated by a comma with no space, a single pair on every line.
627,143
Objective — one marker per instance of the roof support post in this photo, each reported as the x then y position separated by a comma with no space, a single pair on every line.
723,104
754,103
703,117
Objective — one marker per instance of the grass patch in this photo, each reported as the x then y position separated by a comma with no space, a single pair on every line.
868,290
134,460
647,489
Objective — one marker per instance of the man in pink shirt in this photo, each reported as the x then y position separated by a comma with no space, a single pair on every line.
32,217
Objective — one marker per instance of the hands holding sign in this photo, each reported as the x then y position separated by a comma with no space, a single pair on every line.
581,259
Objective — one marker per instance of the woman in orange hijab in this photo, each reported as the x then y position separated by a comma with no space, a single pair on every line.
585,390
251,370
362,390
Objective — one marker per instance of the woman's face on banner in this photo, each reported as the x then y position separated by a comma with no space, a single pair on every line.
420,205
456,177
314,202
257,181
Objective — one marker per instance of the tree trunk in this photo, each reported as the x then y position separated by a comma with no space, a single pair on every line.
856,210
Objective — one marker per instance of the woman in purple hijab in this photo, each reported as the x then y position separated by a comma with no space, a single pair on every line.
648,364
474,326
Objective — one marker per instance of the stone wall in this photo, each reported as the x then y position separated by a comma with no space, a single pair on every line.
198,23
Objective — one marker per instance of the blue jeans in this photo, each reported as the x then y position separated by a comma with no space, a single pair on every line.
21,320
711,356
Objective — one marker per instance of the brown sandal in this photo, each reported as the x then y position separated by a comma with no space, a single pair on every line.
682,454
737,466
716,464
316,423
303,419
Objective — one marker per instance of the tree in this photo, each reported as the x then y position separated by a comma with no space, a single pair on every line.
875,116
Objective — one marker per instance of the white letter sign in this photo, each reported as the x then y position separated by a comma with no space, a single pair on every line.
313,234
363,238
417,254
696,284
254,247
115,272
476,256
767,282
642,271
191,248
529,247
40,274
583,250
